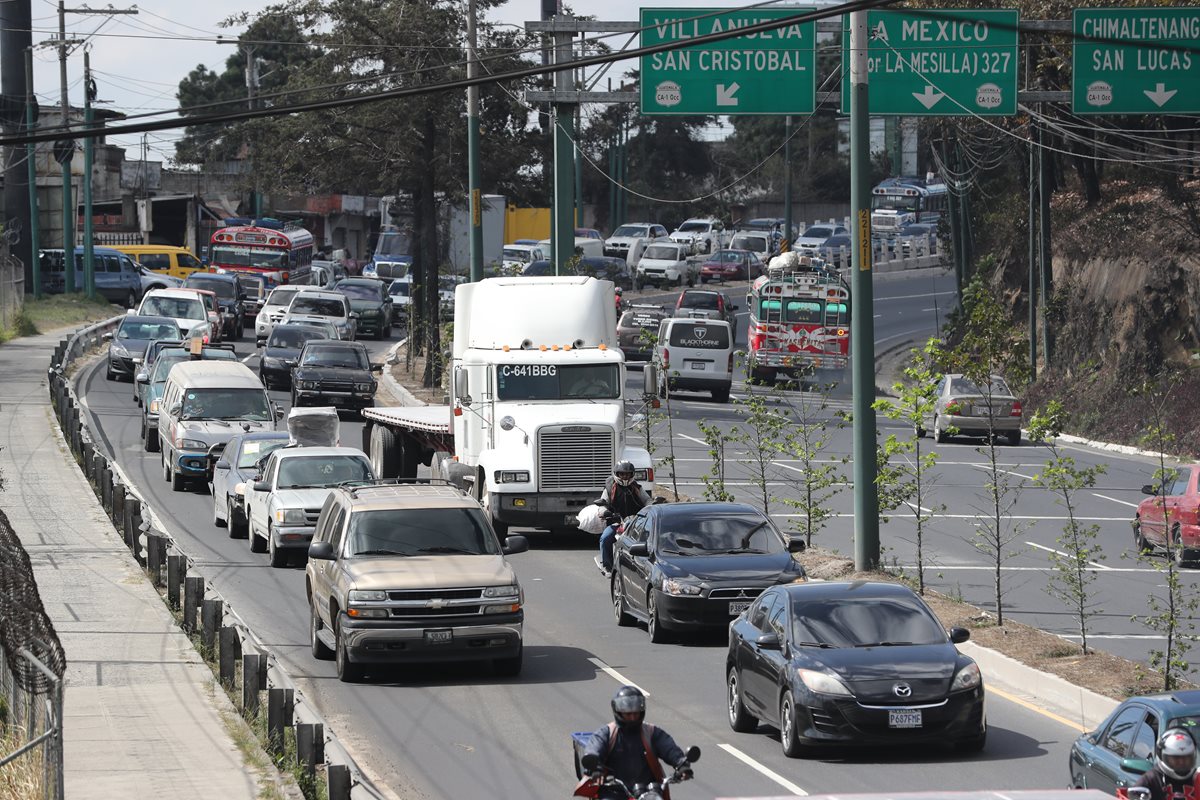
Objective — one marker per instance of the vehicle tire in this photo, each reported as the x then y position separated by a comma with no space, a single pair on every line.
679,283
178,482
1182,555
319,650
788,735
385,452
257,543
295,399
1014,438
109,375
919,432
485,499
617,591
151,444
662,389
279,557
131,299
509,667
939,435
1139,541
217,521
237,530
347,670
762,376
741,720
721,395
691,282
973,745
658,635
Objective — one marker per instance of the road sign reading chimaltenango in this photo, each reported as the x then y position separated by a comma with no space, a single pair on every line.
760,73
1136,61
922,62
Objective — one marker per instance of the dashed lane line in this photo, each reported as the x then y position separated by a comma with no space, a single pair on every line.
1115,500
1065,555
773,775
618,677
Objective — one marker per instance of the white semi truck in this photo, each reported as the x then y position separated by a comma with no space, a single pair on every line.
537,415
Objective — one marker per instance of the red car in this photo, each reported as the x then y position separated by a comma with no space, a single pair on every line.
732,265
1173,508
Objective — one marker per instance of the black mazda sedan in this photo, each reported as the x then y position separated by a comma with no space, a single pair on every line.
852,663
692,566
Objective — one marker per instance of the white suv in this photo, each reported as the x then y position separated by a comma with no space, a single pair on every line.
619,244
701,234
319,306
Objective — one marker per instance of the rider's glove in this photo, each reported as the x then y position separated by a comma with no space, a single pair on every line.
685,771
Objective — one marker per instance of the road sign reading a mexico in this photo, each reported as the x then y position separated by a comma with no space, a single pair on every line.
1136,61
938,63
759,73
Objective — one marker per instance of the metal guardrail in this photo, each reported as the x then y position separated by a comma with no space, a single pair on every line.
239,656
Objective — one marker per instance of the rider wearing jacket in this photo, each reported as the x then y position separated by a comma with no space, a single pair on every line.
624,497
631,750
1174,774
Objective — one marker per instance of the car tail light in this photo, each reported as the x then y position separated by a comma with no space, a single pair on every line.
666,358
1016,409
954,407
730,368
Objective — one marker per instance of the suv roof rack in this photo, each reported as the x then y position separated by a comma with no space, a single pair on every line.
354,487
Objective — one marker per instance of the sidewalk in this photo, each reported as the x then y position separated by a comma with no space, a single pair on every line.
142,714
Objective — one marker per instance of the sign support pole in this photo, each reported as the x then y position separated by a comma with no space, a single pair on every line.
1045,253
866,493
68,205
563,120
473,178
787,180
89,147
1033,275
31,157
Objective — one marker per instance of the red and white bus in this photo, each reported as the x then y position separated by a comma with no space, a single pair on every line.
799,320
282,252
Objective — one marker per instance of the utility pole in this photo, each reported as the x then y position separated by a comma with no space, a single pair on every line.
251,103
473,178
787,179
866,493
563,120
1033,273
33,269
15,41
1045,255
578,171
89,149
68,205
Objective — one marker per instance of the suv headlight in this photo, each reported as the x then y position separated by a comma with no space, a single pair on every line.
363,387
306,384
119,350
370,313
190,444
823,683
289,516
366,596
512,476
678,588
967,678
511,590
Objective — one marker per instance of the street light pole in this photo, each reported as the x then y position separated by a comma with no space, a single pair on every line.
31,159
473,177
68,205
89,147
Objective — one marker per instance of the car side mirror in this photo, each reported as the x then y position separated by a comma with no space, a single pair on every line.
278,412
108,336
768,641
959,635
796,545
1138,766
176,409
221,464
377,368
461,387
650,379
129,312
733,307
353,315
515,544
321,551
261,485
639,550
1149,488
141,377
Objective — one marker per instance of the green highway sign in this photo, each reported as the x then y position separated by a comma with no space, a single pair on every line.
760,73
1136,61
927,63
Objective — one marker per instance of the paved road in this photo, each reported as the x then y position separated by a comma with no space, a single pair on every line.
460,732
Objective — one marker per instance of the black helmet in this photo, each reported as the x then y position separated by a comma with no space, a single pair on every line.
623,472
629,708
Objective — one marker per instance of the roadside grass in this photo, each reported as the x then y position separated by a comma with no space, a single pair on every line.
53,312
22,778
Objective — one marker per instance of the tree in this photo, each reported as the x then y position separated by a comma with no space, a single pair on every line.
714,479
1073,574
817,479
761,433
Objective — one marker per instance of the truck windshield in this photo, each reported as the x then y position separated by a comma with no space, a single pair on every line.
558,382
421,532
248,256
248,404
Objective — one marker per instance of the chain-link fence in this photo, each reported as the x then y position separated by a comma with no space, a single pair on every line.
12,287
31,681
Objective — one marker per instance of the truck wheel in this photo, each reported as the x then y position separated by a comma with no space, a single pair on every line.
151,440
509,667
721,395
410,457
763,376
485,499
347,670
385,452
319,650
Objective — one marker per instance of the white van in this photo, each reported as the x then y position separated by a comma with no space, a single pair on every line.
584,246
204,404
696,355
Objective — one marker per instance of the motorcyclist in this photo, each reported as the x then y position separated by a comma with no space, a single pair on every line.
624,497
1174,774
631,750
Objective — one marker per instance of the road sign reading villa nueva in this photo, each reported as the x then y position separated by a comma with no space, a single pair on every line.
760,73
1136,61
923,62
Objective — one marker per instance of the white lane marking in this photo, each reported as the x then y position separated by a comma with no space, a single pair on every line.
1113,636
925,330
1115,500
1064,555
691,438
616,676
247,358
877,316
919,509
912,296
775,776
987,468
991,568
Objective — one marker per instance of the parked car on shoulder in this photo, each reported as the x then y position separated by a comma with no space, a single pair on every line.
127,344
762,244
369,299
282,353
700,235
605,269
163,259
515,257
152,280
321,306
117,278
617,245
666,263
732,265
588,233
637,329
239,463
815,236
973,410
334,374
1169,519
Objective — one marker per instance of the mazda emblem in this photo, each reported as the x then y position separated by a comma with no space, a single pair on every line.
902,690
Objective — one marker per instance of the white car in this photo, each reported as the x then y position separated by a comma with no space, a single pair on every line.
311,305
813,238
515,257
755,241
284,501
401,293
623,238
701,235
182,305
271,314
666,263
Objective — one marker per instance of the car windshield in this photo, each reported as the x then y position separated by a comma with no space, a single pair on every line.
818,232
394,243
174,307
292,338
662,251
132,329
218,287
421,531
632,230
693,534
997,387
253,452
247,404
757,243
319,306
802,311
349,357
400,288
847,621
706,300
318,472
895,202
281,297
558,382
164,363
248,257
515,254
363,291
693,227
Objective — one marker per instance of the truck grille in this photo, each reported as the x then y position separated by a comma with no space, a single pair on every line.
429,594
734,594
575,459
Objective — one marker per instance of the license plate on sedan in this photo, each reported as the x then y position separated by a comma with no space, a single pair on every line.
904,718
447,636
738,607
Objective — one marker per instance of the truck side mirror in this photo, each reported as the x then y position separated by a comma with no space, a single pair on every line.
461,387
650,376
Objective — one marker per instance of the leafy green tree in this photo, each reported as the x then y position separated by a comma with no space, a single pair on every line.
817,478
761,434
714,478
1071,581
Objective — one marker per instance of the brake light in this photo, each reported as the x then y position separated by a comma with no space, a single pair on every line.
730,362
954,407
283,278
666,358
1016,409
756,341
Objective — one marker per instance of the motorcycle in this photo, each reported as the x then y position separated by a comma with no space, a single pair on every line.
597,784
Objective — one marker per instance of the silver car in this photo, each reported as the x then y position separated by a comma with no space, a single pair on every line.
971,410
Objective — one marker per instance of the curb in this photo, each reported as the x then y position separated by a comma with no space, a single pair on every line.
394,386
1123,449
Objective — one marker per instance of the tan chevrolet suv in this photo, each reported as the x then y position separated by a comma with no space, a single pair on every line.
402,573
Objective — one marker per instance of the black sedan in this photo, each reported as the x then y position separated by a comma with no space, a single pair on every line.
334,373
693,566
127,346
283,351
852,663
369,299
